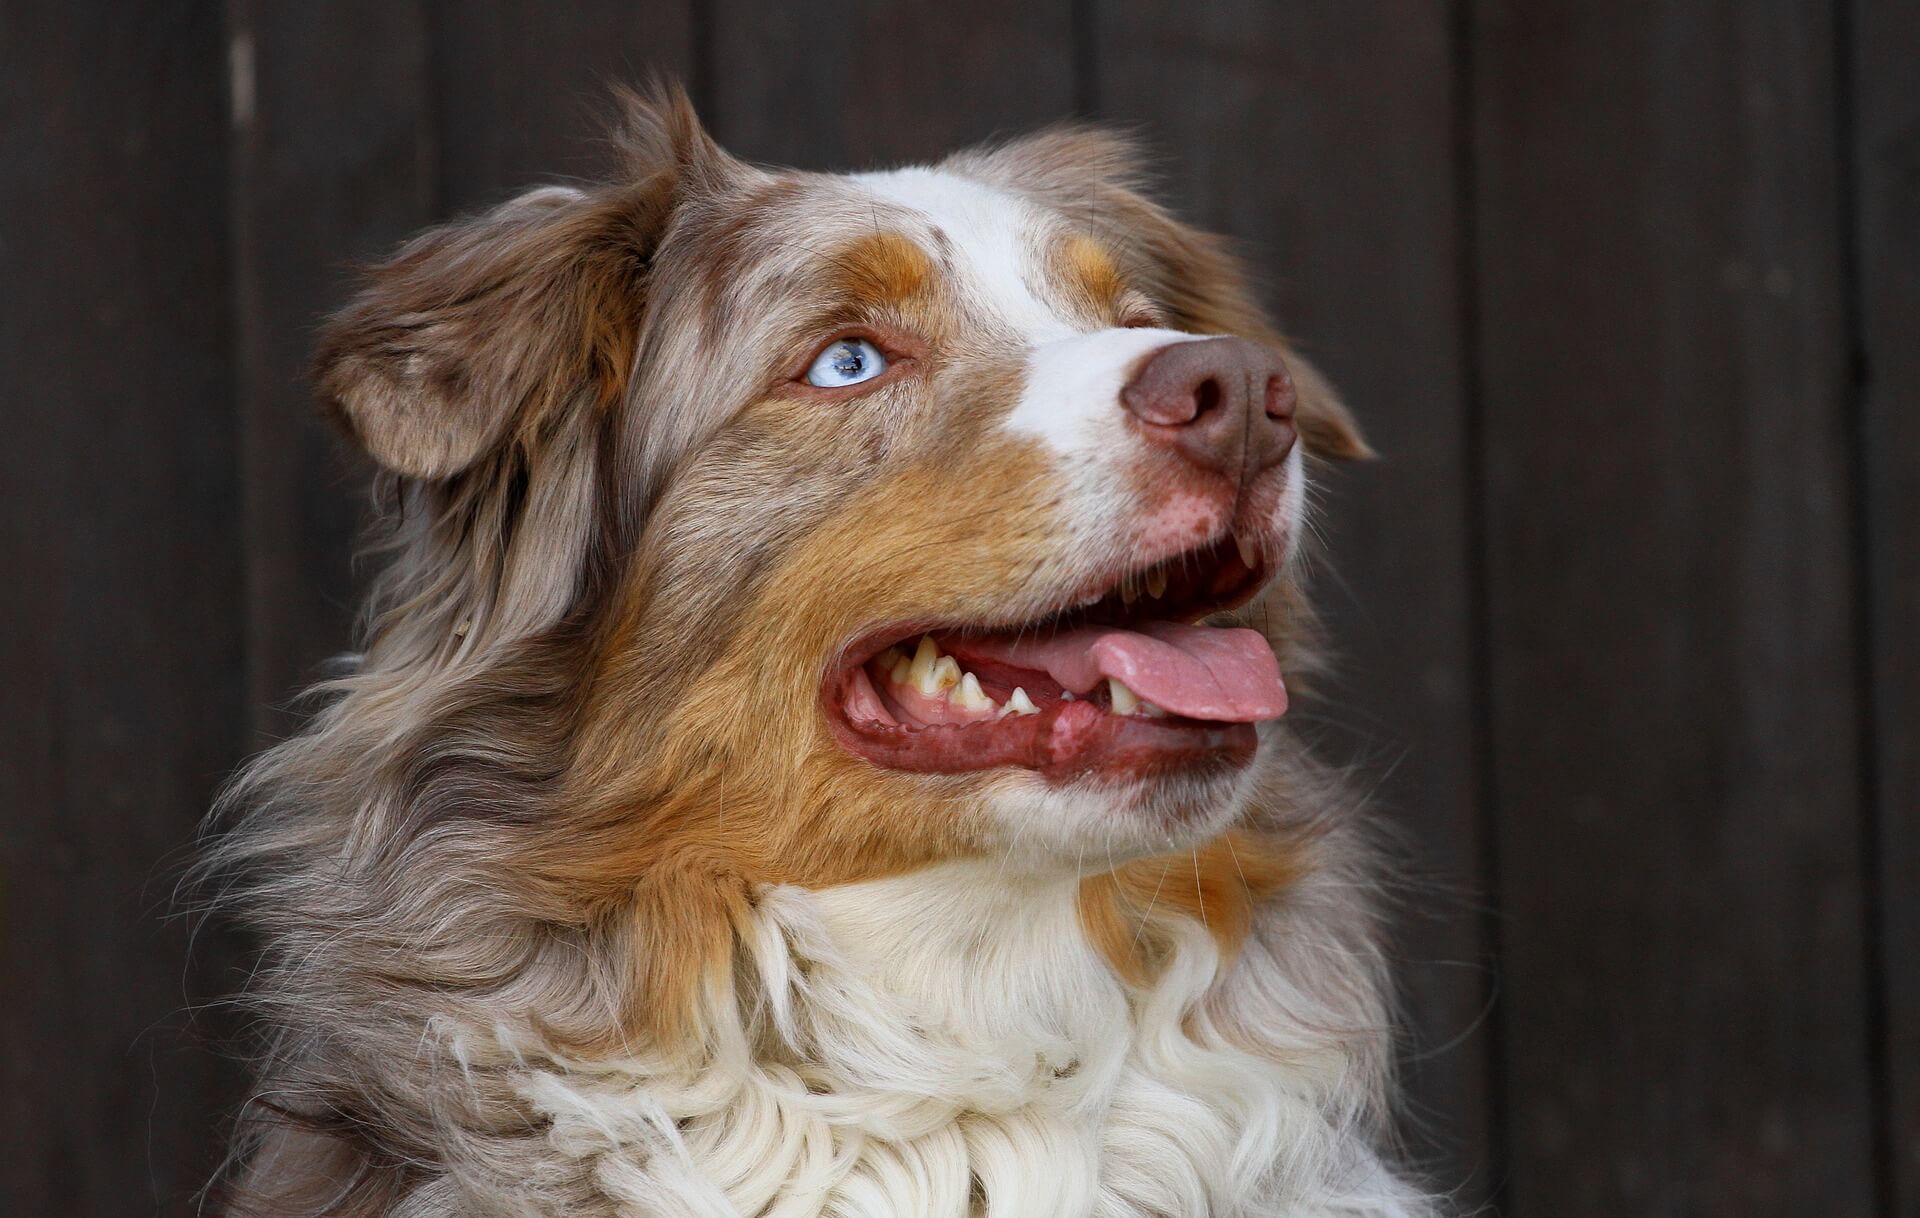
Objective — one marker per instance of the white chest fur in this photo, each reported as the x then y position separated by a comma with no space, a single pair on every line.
949,1043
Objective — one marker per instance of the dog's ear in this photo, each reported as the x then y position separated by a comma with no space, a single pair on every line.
487,324
485,328
1097,178
1327,427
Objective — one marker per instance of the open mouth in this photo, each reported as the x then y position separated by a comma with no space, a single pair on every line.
1125,681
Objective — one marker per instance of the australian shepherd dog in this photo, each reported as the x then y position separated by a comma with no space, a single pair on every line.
818,743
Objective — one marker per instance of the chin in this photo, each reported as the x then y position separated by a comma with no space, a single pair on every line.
820,744
1090,825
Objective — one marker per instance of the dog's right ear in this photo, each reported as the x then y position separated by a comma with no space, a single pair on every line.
482,330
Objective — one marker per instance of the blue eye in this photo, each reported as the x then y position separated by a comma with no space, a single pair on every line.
847,362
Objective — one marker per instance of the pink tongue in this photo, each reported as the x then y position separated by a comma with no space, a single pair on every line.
1227,675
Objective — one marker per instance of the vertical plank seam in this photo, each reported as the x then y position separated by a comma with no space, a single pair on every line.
242,60
239,134
1855,390
1479,577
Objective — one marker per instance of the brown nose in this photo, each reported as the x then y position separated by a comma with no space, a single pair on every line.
1225,403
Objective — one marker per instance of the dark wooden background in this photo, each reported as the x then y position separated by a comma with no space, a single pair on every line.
1628,292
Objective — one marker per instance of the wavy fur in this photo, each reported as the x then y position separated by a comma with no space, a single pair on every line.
538,939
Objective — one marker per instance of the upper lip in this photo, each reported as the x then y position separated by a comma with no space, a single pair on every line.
1216,576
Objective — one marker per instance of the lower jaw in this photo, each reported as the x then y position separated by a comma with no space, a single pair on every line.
1064,742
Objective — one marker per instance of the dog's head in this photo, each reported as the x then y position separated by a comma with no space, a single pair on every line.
816,527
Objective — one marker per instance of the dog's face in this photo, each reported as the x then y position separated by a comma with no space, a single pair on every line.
892,517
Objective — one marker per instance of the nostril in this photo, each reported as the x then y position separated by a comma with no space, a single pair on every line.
1280,396
1206,396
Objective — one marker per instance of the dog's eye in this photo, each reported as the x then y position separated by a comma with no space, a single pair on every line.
847,362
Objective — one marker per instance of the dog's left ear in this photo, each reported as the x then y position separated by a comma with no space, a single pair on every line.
1095,177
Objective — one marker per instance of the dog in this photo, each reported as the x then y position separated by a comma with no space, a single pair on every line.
818,744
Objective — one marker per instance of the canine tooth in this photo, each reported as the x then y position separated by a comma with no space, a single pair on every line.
1157,582
1151,711
943,676
1019,704
1249,550
1066,695
1127,594
969,696
920,668
887,660
1125,701
902,668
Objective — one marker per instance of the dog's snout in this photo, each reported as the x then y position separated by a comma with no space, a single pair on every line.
1226,404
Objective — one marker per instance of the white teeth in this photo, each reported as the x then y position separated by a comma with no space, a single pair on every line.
1066,695
1019,704
1249,551
969,696
1125,701
1157,582
1151,711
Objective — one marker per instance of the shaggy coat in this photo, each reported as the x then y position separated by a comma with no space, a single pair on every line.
575,898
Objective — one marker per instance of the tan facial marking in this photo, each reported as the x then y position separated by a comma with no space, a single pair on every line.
882,269
1088,276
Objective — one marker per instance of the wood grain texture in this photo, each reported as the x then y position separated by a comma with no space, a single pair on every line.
522,89
853,84
1320,136
1886,147
333,165
121,595
1672,620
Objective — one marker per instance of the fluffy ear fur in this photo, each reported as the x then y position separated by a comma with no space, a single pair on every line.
485,328
490,324
1096,178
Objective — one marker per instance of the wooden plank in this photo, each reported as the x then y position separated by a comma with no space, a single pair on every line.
333,165
522,87
1320,135
855,83
122,638
1672,618
1886,142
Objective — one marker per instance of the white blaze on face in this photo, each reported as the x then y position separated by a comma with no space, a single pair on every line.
1072,396
993,239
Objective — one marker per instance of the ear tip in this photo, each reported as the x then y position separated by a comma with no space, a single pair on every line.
386,419
1332,435
659,129
1358,452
